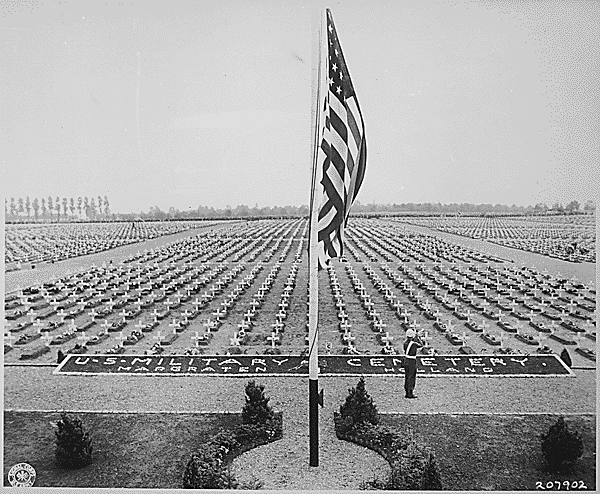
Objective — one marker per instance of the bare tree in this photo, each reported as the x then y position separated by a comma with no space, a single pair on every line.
79,204
57,207
50,206
72,206
106,206
86,206
44,207
28,206
36,207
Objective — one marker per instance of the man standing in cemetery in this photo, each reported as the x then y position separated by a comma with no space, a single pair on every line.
411,345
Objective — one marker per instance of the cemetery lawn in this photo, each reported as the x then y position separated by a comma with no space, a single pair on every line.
146,450
498,452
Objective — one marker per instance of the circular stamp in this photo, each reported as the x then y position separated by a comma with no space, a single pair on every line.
21,475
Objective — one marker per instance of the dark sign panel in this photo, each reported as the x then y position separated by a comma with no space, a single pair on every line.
330,365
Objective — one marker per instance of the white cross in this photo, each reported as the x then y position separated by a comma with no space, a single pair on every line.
47,338
235,341
465,338
426,338
124,314
209,325
8,339
175,325
387,339
93,314
39,325
195,338
53,303
121,337
106,325
186,313
140,325
82,338
158,337
72,326
274,338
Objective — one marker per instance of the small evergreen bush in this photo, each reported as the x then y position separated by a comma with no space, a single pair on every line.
73,442
560,446
359,408
257,409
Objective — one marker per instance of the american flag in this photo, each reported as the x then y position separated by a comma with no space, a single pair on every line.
342,154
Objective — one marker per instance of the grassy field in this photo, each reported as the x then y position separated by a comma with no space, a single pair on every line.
498,452
130,450
474,452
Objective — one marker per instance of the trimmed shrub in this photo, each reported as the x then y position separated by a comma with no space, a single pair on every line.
413,464
208,467
561,447
257,409
73,442
358,409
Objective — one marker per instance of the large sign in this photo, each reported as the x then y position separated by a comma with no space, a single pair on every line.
329,365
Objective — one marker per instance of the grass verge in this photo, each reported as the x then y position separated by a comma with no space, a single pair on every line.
131,450
498,452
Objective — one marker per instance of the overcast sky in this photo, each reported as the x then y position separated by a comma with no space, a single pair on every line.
196,103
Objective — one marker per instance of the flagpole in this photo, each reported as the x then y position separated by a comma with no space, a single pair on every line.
313,296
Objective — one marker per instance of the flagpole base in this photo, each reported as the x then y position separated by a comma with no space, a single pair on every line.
313,421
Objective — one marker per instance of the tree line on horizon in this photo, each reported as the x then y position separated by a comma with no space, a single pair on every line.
91,209
45,208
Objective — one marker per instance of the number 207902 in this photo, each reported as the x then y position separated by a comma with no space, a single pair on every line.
557,485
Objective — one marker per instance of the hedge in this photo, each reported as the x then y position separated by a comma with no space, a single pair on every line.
207,468
413,464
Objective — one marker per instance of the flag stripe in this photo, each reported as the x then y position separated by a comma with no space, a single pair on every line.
341,158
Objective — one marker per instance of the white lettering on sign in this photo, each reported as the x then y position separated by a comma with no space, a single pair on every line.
120,368
469,369
261,369
451,369
156,369
192,369
377,362
522,362
146,361
428,361
488,369
432,370
497,361
244,369
453,360
78,361
390,369
137,369
230,361
257,361
397,362
476,361
354,362
160,361
176,368
207,369
110,361
227,368
207,361
279,362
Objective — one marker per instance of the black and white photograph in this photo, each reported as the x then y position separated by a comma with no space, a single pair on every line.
298,246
